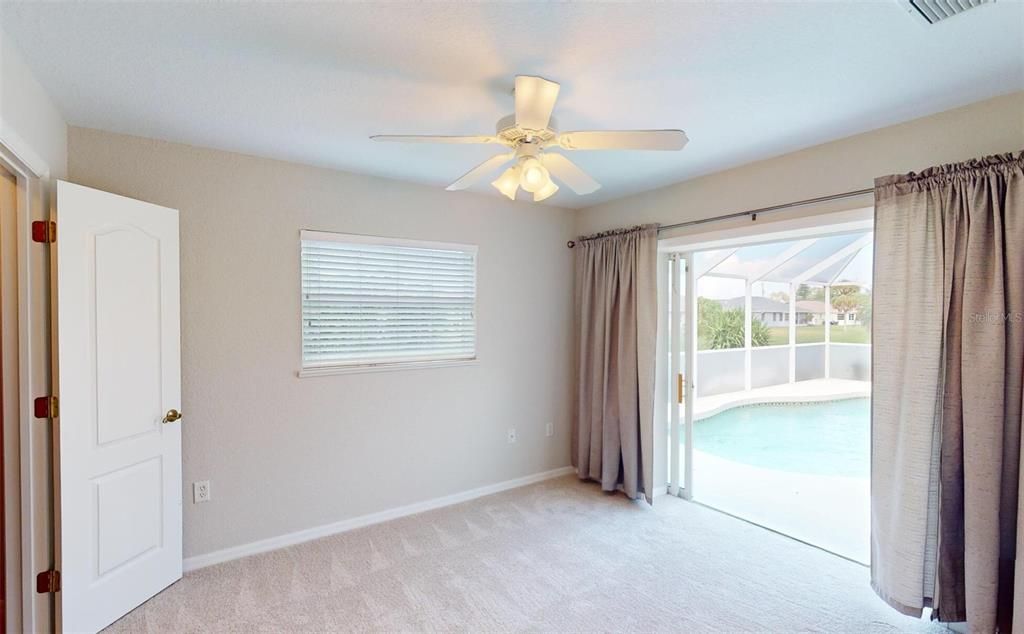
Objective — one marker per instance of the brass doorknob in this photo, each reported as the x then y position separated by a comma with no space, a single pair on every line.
172,415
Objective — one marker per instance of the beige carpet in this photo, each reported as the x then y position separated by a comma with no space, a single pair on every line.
554,557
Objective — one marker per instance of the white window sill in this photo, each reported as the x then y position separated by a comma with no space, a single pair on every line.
382,367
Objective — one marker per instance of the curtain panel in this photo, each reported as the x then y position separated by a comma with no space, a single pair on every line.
616,328
948,360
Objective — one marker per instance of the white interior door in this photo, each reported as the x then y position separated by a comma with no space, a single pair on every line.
118,360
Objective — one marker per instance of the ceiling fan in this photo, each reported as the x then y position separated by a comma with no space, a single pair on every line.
529,132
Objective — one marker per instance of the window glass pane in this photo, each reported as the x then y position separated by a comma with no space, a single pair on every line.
859,269
851,319
707,261
822,249
810,313
828,274
719,313
769,320
748,261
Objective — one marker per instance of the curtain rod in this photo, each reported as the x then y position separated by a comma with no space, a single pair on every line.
761,210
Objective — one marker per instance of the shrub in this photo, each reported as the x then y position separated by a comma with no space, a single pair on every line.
721,329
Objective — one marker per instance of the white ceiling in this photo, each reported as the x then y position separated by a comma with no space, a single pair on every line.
310,82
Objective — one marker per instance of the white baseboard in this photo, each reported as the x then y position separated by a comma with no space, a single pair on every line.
289,539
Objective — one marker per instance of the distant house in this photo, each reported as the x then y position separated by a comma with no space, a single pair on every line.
816,309
770,312
775,314
846,319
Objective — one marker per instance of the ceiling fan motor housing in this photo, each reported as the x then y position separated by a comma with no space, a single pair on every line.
512,135
526,149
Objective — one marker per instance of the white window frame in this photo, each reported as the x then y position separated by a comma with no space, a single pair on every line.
385,366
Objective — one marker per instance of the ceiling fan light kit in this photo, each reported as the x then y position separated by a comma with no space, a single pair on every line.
508,182
529,132
535,176
545,192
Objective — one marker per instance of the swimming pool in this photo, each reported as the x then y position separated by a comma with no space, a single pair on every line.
829,438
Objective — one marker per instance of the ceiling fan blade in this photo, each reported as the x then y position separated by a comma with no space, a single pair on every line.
535,99
480,171
623,140
427,138
567,172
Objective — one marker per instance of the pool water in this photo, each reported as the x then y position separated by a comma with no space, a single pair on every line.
830,438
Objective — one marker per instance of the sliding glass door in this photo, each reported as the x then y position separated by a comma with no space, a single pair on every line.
682,373
768,348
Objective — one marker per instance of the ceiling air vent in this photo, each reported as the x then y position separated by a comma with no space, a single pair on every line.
932,11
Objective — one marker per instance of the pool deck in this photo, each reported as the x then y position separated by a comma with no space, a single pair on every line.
831,512
815,390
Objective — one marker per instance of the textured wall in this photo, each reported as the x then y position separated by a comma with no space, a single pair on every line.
986,127
29,121
285,453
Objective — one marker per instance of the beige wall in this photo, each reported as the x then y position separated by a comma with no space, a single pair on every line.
285,453
987,127
30,123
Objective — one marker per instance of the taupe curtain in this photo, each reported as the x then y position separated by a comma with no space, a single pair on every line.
616,326
948,341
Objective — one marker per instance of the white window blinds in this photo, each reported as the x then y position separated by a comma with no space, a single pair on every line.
376,301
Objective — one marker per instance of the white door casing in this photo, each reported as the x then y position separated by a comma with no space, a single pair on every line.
118,370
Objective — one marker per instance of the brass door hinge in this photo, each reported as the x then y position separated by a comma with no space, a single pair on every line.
44,231
48,582
46,407
679,387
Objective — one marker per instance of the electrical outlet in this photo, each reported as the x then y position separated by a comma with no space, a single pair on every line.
511,435
200,491
549,430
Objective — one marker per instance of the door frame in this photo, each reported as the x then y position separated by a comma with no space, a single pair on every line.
682,303
683,248
28,475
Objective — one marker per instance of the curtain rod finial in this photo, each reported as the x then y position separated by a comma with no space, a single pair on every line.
570,244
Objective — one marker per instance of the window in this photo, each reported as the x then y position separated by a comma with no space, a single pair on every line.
383,302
